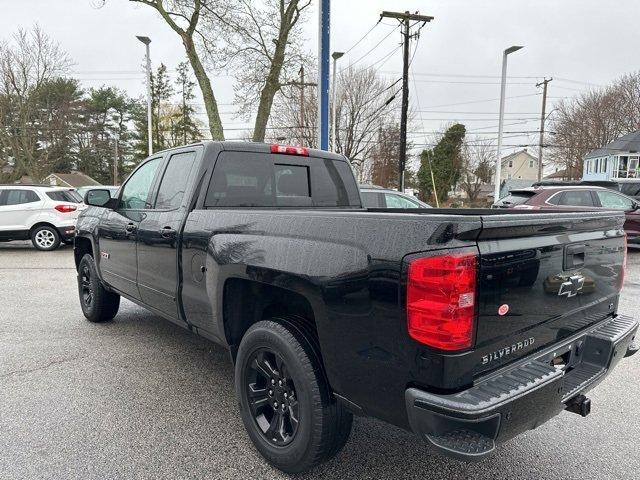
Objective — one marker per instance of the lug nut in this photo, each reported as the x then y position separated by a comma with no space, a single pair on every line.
270,393
273,382
275,404
286,394
280,383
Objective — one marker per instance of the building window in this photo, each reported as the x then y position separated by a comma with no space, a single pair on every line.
510,163
530,163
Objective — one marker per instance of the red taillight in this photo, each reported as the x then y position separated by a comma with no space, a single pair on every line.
66,208
289,150
441,293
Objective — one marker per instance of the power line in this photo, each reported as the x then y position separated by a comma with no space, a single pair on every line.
362,38
370,50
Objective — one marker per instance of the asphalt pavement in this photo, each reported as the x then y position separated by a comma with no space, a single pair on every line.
142,398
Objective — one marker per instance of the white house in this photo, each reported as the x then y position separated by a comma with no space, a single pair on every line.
619,159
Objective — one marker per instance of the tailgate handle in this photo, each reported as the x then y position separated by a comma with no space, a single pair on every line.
574,256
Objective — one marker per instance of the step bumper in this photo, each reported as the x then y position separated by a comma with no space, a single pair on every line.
520,397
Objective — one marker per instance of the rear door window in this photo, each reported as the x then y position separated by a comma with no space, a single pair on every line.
630,188
19,197
174,181
576,198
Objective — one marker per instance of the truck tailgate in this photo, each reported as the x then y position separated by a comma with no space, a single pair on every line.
542,278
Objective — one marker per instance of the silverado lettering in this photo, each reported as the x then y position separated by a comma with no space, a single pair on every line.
507,350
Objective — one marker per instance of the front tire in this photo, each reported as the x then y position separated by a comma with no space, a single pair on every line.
45,238
284,396
97,303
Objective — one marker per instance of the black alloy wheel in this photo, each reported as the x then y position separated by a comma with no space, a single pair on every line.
271,397
86,288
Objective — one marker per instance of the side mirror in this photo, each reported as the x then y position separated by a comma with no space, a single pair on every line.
98,198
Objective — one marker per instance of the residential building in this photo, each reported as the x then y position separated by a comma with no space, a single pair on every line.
520,165
618,159
73,180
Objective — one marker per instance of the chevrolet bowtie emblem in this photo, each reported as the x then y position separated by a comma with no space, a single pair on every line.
572,286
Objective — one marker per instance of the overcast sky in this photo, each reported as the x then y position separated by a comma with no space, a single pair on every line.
581,43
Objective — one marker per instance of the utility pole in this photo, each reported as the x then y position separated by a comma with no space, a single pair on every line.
115,161
147,41
405,19
542,120
301,84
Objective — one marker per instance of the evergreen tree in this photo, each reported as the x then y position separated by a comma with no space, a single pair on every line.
445,160
161,93
186,129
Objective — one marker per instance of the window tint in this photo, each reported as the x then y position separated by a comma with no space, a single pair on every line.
18,197
576,198
243,179
174,181
64,196
614,201
136,190
398,201
371,199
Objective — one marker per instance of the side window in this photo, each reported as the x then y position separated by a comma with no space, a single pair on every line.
136,190
614,201
371,199
174,180
398,201
18,197
332,184
576,198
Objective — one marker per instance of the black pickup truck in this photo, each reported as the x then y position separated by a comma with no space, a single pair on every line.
466,327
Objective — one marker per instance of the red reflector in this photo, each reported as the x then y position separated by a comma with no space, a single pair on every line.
66,208
289,150
441,293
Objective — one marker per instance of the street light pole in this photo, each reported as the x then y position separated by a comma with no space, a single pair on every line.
147,41
335,56
503,87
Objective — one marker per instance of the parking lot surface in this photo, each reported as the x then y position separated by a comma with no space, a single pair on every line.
142,398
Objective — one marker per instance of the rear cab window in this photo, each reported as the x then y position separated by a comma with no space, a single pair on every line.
251,179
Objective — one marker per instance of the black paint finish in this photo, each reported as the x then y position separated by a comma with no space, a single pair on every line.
349,265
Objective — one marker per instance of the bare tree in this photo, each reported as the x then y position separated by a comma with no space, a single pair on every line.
27,62
477,157
261,43
592,120
184,17
253,39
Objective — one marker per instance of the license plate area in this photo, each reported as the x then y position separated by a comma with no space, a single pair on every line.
566,357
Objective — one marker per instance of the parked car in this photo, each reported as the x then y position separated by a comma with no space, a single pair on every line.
577,198
46,215
427,319
379,197
83,190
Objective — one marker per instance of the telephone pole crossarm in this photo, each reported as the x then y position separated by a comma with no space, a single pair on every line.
405,18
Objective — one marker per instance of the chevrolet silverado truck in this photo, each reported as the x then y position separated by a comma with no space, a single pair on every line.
466,327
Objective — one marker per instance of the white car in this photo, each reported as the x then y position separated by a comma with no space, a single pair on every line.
46,215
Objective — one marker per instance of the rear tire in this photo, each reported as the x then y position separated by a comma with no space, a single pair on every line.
285,400
97,303
45,238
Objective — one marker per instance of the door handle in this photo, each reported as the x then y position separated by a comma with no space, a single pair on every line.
130,228
168,232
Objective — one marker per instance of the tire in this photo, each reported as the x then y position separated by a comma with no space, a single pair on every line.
45,238
97,303
311,427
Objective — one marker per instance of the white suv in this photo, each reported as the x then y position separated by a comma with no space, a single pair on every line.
46,215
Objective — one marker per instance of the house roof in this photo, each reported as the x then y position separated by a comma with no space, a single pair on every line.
75,179
629,143
562,174
515,154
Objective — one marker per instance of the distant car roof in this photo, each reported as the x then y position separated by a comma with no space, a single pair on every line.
556,187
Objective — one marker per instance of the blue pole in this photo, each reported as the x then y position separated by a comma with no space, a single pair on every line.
323,74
